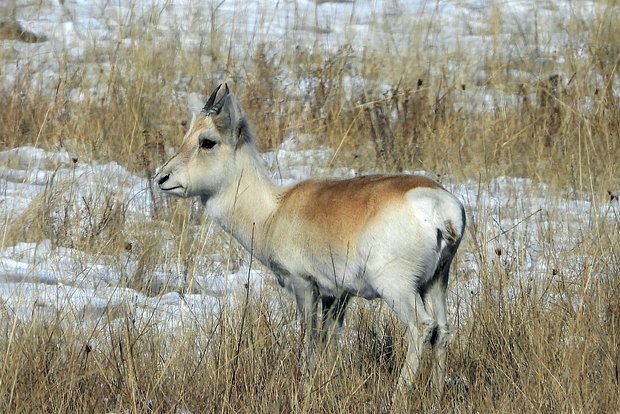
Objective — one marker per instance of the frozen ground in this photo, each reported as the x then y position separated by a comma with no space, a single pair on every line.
43,278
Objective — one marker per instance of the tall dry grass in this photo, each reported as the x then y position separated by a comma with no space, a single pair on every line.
522,344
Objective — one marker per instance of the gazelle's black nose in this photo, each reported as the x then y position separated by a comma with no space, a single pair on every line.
163,179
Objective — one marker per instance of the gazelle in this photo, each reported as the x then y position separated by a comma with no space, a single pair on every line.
387,236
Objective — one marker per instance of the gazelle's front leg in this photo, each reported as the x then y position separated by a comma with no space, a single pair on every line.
307,297
334,309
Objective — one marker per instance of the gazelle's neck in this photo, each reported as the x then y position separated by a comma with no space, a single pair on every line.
244,206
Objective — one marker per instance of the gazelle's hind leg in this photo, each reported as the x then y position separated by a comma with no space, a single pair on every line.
421,329
435,298
423,311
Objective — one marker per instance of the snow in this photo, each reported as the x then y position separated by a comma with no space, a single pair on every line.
45,277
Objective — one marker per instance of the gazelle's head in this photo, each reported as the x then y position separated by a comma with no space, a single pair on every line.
205,162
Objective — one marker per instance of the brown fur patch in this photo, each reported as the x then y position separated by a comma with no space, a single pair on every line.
340,208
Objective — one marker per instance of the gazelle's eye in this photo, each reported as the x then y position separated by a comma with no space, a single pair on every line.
207,143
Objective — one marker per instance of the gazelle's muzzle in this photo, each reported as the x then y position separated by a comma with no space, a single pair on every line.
169,182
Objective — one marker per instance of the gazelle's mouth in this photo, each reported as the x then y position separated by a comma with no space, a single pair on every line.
177,190
170,188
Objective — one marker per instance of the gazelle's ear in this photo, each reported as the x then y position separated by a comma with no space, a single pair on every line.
228,117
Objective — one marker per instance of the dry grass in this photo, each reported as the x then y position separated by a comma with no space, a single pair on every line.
533,344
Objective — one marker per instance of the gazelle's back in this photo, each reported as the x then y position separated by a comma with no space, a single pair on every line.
340,209
334,229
